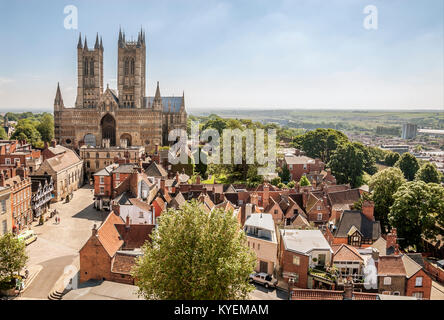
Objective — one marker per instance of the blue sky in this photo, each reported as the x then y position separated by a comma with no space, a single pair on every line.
235,54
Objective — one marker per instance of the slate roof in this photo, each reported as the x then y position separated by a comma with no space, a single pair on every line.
260,220
155,170
417,257
125,168
175,102
349,218
344,197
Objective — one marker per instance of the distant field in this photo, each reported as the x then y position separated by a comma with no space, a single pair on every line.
338,119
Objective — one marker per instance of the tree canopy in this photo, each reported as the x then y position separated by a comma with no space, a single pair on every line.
383,185
428,173
391,158
320,143
347,164
195,255
417,212
304,181
408,164
12,256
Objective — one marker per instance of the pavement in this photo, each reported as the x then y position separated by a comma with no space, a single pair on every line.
103,290
57,247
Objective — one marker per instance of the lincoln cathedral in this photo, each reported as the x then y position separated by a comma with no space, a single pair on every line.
125,116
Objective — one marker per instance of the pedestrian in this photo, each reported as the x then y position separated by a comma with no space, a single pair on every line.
59,220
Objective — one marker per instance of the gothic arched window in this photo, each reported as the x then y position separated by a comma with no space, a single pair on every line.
132,66
91,71
126,67
85,67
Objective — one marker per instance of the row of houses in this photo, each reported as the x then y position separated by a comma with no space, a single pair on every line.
30,179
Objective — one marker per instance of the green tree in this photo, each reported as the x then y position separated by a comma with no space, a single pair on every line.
46,127
416,212
12,257
428,173
3,134
383,185
25,129
195,255
320,143
369,159
347,164
285,174
304,181
276,181
408,164
391,158
291,184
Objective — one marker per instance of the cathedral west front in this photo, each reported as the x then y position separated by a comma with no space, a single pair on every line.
103,114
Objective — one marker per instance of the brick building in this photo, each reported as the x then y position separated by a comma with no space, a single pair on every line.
110,252
302,165
13,151
5,210
19,183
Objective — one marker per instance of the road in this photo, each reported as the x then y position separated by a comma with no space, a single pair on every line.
58,245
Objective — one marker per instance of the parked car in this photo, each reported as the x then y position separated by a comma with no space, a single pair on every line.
265,279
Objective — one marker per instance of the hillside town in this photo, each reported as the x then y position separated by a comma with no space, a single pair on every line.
311,238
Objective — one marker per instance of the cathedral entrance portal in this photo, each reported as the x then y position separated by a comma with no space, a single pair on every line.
108,125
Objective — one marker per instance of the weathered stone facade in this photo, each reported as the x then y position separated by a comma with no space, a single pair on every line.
106,114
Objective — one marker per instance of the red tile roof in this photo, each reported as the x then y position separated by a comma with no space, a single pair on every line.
108,235
391,266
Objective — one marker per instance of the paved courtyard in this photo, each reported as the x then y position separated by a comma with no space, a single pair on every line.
58,245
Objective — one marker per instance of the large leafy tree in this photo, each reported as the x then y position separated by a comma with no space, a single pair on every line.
409,165
3,134
369,158
12,257
195,255
428,173
417,211
383,185
320,143
26,129
347,164
46,127
391,158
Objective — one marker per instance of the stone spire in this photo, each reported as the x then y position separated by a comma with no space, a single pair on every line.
101,44
157,97
58,101
96,45
85,46
120,38
79,45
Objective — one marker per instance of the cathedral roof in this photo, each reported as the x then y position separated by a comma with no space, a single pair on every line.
175,102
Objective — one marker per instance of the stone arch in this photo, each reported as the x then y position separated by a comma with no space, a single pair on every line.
90,139
128,138
108,126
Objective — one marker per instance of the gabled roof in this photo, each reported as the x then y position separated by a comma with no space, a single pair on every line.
349,218
344,197
155,170
180,200
344,252
391,266
417,257
381,246
63,159
122,263
134,235
298,159
311,202
410,266
108,235
125,168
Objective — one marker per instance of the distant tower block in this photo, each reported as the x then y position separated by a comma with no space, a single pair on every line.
409,131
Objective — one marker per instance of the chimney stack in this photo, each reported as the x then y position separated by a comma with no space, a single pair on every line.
368,209
392,240
177,176
198,179
53,143
348,289
94,230
127,222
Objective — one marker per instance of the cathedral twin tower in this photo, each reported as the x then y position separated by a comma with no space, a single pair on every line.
103,115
